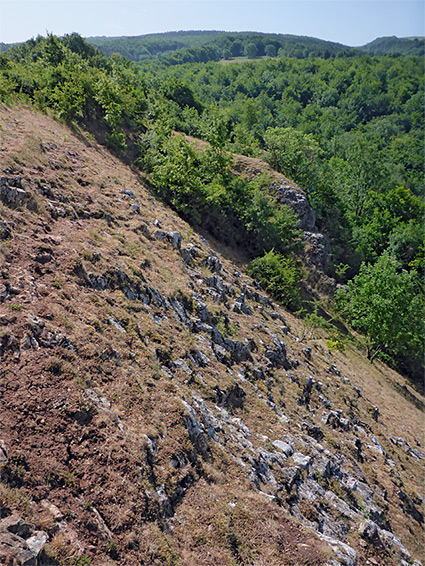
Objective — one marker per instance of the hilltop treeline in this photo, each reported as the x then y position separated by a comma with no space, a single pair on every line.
392,44
202,46
194,47
348,130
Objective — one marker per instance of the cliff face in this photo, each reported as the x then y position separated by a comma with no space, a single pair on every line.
158,408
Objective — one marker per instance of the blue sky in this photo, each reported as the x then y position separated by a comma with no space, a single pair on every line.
351,22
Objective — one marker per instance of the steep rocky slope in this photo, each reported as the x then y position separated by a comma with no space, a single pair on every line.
158,408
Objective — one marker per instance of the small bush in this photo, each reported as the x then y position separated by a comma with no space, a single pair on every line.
13,472
116,140
279,275
55,366
334,345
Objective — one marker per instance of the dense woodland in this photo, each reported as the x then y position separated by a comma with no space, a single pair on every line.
347,128
190,47
202,46
184,46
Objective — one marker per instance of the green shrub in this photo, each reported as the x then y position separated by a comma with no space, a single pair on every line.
272,226
279,275
199,185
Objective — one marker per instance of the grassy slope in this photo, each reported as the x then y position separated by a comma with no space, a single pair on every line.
88,457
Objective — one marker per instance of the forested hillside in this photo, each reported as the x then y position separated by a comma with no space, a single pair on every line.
203,46
400,45
347,130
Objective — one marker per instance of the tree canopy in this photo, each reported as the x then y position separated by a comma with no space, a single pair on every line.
383,302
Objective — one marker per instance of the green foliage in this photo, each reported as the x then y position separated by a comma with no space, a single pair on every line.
270,50
384,304
399,45
292,153
271,225
108,97
202,46
279,276
335,345
173,178
116,140
251,50
348,130
199,185
181,94
355,174
77,82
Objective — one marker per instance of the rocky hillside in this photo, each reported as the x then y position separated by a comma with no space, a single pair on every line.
157,407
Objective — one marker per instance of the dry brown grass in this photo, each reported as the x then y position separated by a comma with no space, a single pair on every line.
102,455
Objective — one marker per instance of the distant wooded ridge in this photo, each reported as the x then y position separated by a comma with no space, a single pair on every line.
201,46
